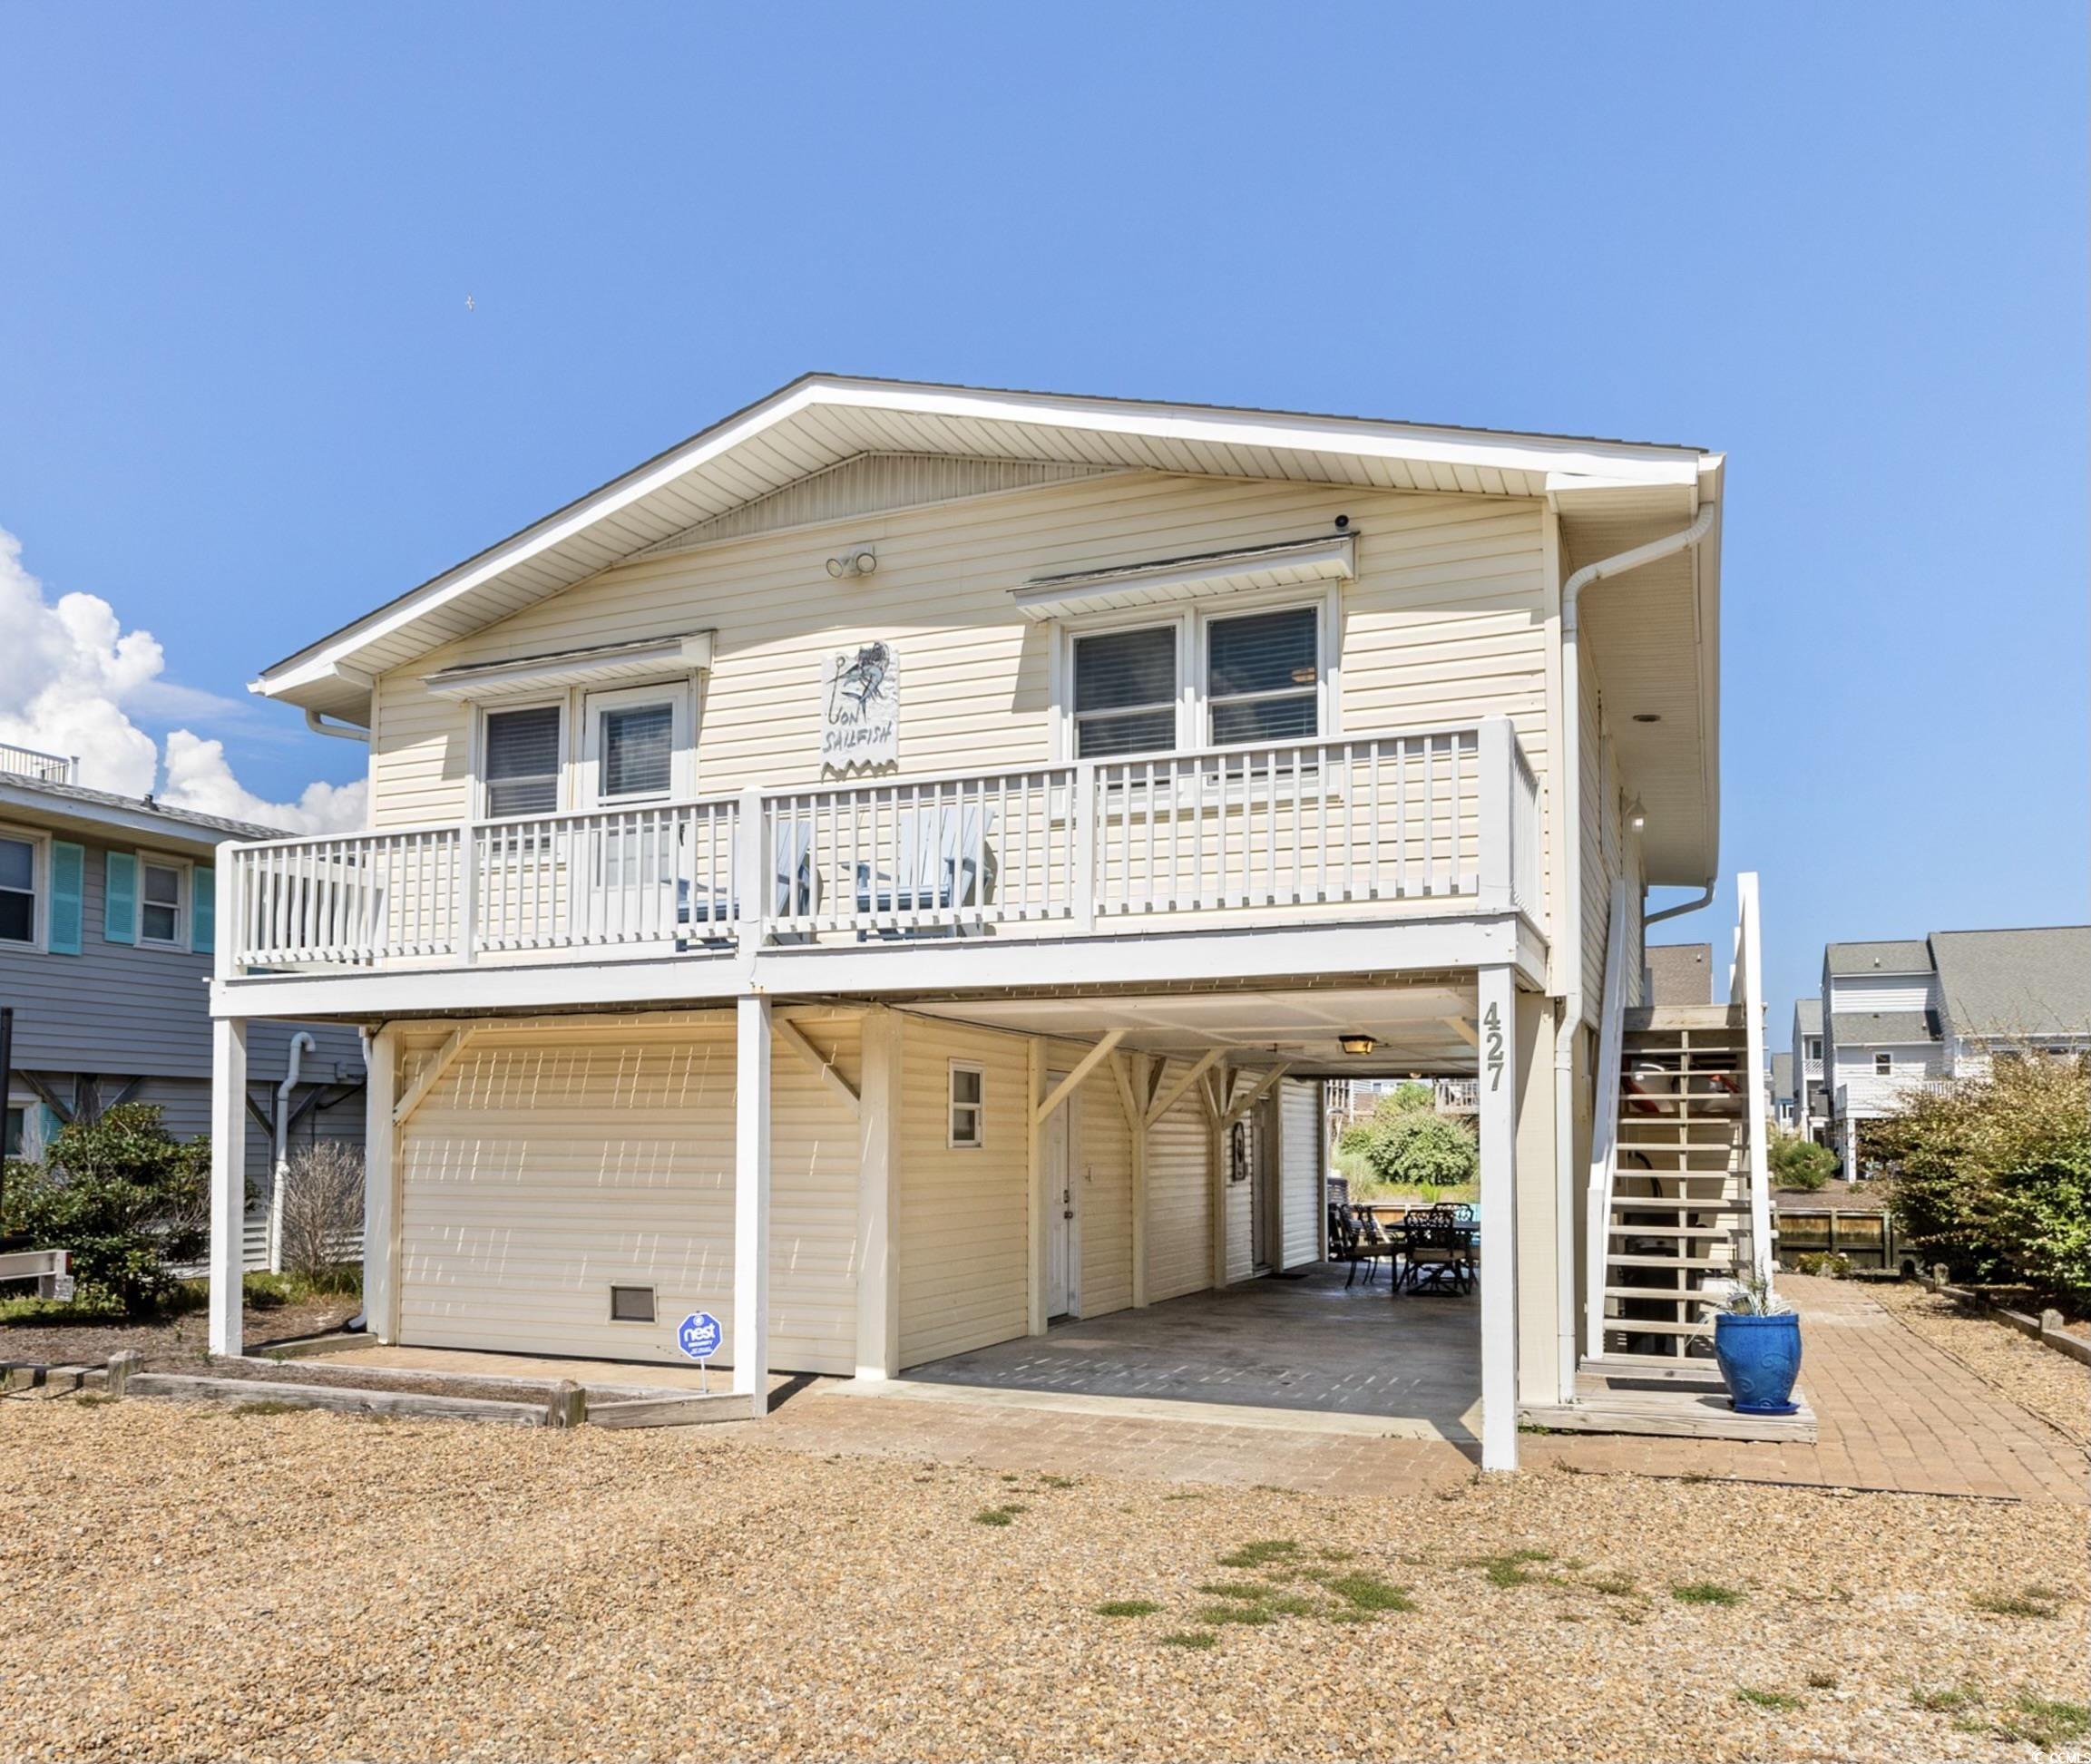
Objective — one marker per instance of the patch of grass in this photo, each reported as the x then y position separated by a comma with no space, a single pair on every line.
1128,1608
2033,1602
2043,1723
268,1406
1263,1550
1242,1591
1329,1555
1290,1604
61,1313
1370,1593
1947,1702
1705,1591
1219,1614
1512,1568
1767,1698
1617,1586
1047,1480
997,1515
1190,1638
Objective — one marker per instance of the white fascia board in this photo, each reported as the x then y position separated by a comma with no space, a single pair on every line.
1626,461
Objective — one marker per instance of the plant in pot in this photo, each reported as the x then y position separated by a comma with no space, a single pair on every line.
1757,1341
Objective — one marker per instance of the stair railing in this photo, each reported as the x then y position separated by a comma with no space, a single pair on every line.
1746,989
1605,1120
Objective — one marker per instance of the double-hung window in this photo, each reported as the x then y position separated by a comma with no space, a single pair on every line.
631,739
20,920
1883,1066
1198,679
967,1106
521,762
162,903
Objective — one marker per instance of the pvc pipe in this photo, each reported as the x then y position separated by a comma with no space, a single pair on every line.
318,725
1571,921
301,1044
1704,897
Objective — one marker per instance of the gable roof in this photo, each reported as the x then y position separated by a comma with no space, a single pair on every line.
1808,1016
1889,1028
1782,1076
2026,983
1609,495
1897,955
74,808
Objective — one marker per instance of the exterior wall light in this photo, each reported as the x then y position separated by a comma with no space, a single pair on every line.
853,563
1358,1043
1637,815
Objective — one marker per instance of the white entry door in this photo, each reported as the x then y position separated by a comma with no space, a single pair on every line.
1064,1272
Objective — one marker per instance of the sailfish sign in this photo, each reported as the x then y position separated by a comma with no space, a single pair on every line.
860,708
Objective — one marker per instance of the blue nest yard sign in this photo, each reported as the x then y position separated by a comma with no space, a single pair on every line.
697,1335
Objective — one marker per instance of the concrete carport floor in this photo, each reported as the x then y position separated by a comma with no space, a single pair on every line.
1297,1349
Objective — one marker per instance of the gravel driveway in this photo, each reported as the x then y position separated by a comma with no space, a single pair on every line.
188,1583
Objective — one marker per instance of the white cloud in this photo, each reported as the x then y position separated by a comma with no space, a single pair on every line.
70,678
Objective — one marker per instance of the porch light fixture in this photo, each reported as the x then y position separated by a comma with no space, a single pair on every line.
1357,1044
1637,815
853,563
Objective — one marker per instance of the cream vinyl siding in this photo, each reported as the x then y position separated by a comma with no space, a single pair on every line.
1300,1118
550,1163
1179,1197
1446,621
964,1214
1608,852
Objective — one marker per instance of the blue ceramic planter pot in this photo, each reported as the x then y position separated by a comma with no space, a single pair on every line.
1760,1359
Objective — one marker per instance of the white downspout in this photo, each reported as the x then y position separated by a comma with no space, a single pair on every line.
1572,920
318,725
301,1044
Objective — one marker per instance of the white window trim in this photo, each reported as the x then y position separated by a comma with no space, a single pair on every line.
1883,1066
39,888
184,938
1194,719
952,1106
31,1107
576,767
682,759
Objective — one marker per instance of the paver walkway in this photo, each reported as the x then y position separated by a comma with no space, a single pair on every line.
1895,1413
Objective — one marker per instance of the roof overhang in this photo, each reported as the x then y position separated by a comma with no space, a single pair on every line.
1293,565
644,658
822,419
109,823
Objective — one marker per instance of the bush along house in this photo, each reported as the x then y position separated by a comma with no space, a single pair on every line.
895,870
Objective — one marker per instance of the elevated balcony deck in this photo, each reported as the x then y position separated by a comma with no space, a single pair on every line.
963,874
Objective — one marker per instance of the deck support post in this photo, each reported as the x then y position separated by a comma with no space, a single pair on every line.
228,1182
751,1104
381,1186
1034,1184
1498,1132
878,1172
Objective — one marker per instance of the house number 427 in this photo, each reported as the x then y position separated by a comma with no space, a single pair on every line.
1492,1029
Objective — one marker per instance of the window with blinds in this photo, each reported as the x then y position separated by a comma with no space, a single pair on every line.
17,891
522,768
1263,677
1125,692
638,750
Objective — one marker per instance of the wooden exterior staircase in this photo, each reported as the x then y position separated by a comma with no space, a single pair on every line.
1679,1225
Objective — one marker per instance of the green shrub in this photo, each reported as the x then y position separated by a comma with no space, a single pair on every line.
1419,1150
1993,1176
1407,1099
1831,1265
1798,1163
124,1196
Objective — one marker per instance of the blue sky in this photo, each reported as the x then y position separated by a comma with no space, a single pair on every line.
242,399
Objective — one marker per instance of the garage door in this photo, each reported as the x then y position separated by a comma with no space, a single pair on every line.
538,1176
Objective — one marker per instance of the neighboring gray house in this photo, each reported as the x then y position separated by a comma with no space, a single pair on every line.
1921,1012
107,925
1678,974
1785,1110
1810,1094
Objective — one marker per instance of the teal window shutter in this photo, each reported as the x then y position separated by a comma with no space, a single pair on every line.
47,1126
68,896
120,898
202,911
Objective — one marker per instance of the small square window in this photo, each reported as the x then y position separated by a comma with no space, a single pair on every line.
968,1092
631,1304
1883,1066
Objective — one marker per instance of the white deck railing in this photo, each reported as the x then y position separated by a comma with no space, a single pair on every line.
1878,1094
29,762
1299,831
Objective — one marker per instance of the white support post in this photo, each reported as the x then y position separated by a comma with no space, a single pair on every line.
1083,817
380,1187
1216,1104
228,1182
878,1197
754,889
1131,1074
751,1200
1499,1126
1493,746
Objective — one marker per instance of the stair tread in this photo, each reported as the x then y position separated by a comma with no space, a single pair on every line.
1706,1265
1668,1231
1654,1326
1667,1295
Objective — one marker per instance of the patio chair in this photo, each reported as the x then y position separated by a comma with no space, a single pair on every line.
709,913
941,861
1355,1237
1439,1253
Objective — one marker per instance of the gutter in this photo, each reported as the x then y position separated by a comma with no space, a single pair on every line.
1685,539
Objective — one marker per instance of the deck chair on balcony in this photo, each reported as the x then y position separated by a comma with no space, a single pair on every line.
707,915
941,862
